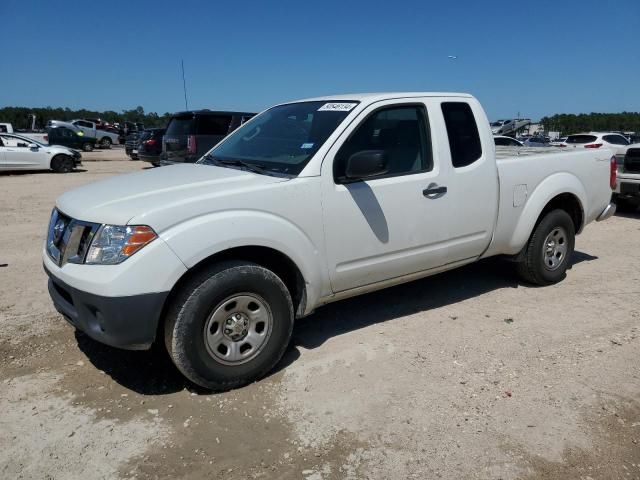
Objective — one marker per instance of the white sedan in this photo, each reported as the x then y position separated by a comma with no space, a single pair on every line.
21,153
504,141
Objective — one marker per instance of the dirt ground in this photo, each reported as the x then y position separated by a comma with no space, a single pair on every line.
467,374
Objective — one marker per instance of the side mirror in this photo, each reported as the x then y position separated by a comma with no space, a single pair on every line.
34,146
366,164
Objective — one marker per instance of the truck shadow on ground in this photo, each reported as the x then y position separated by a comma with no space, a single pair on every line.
440,290
152,372
632,214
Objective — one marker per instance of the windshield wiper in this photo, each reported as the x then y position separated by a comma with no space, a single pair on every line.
253,167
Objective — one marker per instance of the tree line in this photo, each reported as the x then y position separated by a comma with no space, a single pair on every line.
19,116
585,122
563,122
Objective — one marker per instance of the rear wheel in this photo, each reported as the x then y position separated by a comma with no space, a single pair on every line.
87,146
549,250
105,142
229,325
62,164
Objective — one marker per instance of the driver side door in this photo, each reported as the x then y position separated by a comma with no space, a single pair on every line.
18,155
393,225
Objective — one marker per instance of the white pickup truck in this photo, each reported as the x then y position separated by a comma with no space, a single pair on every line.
40,137
308,203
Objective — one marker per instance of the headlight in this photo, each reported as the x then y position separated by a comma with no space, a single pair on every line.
113,244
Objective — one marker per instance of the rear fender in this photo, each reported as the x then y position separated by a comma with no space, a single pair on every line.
546,191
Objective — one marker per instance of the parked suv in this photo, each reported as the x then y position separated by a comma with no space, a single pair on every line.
150,146
597,140
132,142
191,134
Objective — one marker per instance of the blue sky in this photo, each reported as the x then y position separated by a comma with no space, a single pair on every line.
536,58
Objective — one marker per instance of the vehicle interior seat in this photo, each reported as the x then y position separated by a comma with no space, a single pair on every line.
402,146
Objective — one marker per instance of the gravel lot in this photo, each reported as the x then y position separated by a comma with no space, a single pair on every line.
468,374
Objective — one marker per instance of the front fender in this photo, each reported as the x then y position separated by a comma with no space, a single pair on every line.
544,192
199,238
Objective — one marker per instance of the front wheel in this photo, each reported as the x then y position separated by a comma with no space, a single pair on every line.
229,325
549,250
62,164
87,147
105,142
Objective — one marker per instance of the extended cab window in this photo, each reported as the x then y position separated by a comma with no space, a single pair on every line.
464,139
213,124
402,133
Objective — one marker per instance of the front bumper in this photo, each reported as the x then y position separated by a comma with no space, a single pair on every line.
628,185
128,322
148,157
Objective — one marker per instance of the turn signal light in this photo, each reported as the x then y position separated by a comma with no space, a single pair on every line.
139,236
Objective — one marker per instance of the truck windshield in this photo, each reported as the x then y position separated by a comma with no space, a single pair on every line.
283,139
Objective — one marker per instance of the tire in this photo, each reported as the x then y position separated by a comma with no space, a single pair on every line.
548,253
105,142
156,164
62,164
217,313
87,147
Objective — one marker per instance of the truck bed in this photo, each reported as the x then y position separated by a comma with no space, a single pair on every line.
503,152
527,175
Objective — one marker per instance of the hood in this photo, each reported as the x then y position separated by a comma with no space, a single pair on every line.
61,149
119,199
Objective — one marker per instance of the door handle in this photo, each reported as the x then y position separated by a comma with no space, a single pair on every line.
434,190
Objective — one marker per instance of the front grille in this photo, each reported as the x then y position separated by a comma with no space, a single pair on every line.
632,161
68,240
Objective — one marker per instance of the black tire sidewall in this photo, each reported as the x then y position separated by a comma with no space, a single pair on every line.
552,220
188,348
87,147
62,164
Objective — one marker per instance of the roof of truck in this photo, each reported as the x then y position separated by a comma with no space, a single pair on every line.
375,97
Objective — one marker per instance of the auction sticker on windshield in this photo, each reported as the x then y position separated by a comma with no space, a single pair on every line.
337,107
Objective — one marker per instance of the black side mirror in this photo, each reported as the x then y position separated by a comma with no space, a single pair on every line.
366,164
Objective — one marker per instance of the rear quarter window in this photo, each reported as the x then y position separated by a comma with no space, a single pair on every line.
213,124
581,139
462,130
181,126
616,139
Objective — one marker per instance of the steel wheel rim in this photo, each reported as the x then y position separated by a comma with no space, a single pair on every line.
238,329
554,248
